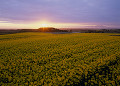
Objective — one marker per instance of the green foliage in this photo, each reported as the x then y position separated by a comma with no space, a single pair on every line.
60,59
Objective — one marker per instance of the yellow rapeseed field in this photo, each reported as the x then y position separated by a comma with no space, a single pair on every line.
60,59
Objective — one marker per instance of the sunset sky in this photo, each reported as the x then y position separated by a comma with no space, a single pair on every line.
17,14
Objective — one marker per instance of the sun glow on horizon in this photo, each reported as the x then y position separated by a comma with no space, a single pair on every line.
39,24
59,25
36,25
43,24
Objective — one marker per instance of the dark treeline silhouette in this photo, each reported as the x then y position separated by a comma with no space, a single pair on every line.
42,29
96,30
51,29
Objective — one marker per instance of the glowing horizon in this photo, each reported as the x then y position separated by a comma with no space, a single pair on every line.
46,23
35,25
